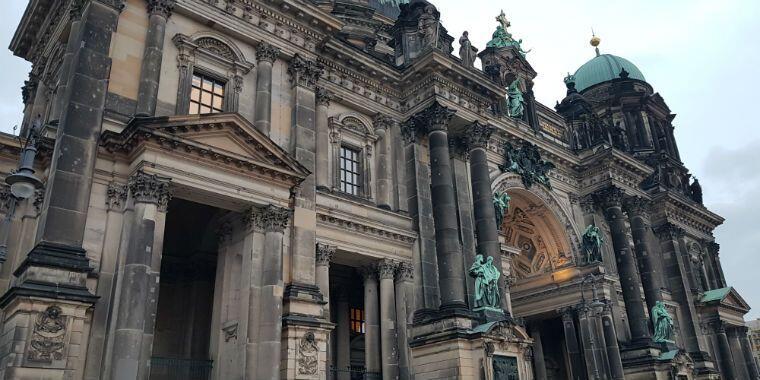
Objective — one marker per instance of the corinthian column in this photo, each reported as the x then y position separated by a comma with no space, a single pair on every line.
611,201
371,324
324,255
638,215
139,276
404,308
275,220
323,139
383,125
265,57
435,120
388,347
150,72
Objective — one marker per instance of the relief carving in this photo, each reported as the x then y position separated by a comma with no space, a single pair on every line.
308,354
48,336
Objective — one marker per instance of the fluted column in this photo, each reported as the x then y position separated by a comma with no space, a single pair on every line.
323,139
435,120
372,362
150,72
610,337
275,220
384,161
746,348
638,215
139,276
386,270
725,357
265,57
577,370
611,201
487,231
404,307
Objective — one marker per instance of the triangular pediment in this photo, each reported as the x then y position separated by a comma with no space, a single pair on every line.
725,297
227,138
733,299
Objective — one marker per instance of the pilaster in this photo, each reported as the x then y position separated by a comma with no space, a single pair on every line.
265,56
159,12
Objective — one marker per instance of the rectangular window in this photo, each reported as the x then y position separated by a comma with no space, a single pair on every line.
357,320
350,169
206,95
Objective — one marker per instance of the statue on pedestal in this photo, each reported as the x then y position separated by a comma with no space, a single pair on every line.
662,323
515,100
487,294
500,206
466,51
592,244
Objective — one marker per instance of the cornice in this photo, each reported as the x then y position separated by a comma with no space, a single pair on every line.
674,208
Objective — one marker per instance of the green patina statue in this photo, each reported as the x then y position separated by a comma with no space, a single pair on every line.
500,206
502,38
527,162
662,323
515,100
592,243
487,295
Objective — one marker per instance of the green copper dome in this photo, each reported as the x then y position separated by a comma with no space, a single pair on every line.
603,68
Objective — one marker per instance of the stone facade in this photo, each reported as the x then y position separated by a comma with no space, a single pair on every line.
293,189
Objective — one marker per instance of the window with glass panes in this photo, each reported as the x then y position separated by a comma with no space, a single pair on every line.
206,95
350,169
357,320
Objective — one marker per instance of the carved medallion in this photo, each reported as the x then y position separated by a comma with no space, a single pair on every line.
48,336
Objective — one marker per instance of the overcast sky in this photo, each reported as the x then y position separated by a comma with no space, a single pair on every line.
702,56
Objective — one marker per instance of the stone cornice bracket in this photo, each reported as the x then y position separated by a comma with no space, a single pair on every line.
266,52
275,218
150,188
324,254
405,272
161,7
669,231
610,197
637,206
323,96
477,135
116,196
436,117
303,72
386,269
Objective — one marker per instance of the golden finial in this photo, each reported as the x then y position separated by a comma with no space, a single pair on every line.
595,41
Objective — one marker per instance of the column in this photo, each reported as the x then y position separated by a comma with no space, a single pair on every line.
323,139
435,120
740,369
749,360
383,125
150,72
600,350
714,249
539,366
404,308
421,211
371,322
386,270
253,246
611,201
324,255
342,337
139,276
589,344
610,337
265,56
724,351
275,221
577,370
638,215
487,231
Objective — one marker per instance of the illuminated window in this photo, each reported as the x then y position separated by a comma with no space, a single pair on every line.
350,169
206,95
357,320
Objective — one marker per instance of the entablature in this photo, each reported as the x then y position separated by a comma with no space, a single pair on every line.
692,217
604,165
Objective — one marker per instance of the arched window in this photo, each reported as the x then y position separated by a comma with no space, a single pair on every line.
352,139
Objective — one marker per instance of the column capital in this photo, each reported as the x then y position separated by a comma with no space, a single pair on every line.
253,219
304,72
266,52
274,218
409,131
637,206
713,247
224,231
718,326
386,268
405,272
477,135
567,313
368,272
669,231
161,7
588,205
436,117
324,254
459,148
323,96
150,188
116,196
610,197
382,122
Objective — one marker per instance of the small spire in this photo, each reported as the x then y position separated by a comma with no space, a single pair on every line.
595,41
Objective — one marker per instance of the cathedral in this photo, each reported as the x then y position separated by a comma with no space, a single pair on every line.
327,190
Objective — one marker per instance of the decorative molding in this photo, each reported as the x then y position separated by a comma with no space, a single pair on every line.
48,336
39,199
324,254
6,198
116,196
230,331
370,230
308,354
150,188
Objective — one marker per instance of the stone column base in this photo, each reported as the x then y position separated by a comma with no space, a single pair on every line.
304,348
43,338
460,348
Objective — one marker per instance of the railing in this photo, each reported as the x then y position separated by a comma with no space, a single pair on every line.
179,369
355,373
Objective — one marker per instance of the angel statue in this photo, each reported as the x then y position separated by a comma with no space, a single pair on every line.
592,243
500,206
